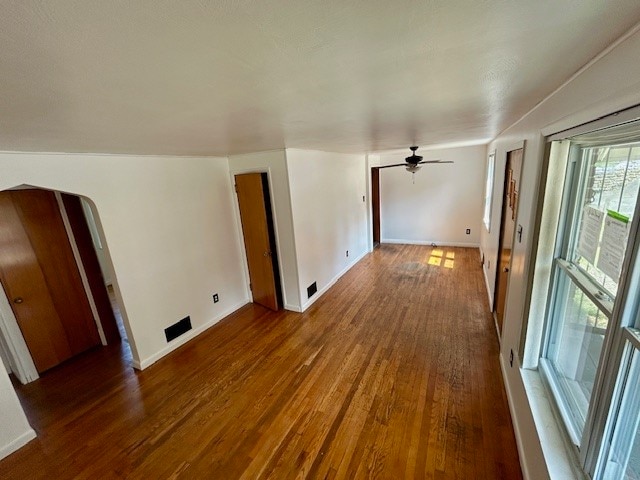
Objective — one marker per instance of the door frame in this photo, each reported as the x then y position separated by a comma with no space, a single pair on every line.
240,233
510,148
16,350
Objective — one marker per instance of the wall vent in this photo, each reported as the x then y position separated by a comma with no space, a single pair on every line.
312,289
177,329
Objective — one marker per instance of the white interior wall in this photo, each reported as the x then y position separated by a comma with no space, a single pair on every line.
329,215
170,233
15,431
274,163
169,229
439,203
609,84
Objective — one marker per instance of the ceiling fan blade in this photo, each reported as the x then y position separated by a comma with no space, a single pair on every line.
436,161
394,165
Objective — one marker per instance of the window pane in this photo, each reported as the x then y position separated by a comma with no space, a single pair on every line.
623,461
573,352
488,191
611,181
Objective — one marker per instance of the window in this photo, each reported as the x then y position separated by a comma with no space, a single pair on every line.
589,355
488,191
622,460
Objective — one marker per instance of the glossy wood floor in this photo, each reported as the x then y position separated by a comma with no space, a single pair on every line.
392,374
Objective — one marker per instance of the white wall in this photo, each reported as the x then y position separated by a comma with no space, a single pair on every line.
274,163
14,428
170,232
609,84
169,228
443,202
329,215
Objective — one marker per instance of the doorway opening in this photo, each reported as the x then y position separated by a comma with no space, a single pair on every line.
256,217
375,205
508,232
55,273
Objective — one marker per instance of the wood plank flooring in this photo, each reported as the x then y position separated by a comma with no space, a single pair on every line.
392,374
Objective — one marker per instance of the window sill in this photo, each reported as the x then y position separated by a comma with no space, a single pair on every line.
556,447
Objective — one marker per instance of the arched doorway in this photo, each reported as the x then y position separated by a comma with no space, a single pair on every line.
55,303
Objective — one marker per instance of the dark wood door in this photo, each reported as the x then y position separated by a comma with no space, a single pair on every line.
41,279
375,205
507,230
255,228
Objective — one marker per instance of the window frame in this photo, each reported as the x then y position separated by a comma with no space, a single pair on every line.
590,448
488,190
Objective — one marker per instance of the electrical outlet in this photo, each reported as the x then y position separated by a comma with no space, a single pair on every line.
216,299
468,231
347,253
511,358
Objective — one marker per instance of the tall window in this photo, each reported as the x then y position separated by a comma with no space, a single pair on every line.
590,307
488,191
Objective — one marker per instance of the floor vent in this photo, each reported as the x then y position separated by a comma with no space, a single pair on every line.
312,289
177,329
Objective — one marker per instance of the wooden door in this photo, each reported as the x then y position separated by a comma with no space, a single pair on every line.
255,228
41,279
507,230
375,204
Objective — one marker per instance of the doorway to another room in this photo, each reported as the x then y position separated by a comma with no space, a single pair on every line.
57,302
254,203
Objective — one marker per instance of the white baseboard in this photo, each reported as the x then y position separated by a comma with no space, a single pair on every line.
293,308
320,292
18,443
486,282
178,342
430,242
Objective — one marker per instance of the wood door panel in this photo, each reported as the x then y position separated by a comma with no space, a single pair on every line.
253,216
40,215
23,279
507,231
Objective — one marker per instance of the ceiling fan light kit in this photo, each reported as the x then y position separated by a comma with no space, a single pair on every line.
414,162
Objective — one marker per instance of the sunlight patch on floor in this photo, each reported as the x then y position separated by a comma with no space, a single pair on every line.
437,256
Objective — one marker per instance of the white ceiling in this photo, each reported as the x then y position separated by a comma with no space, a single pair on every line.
233,76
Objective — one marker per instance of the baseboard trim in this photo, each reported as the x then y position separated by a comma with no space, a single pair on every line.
430,242
178,342
18,443
320,292
486,282
293,308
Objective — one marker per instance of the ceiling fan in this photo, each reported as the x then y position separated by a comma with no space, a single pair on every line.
413,162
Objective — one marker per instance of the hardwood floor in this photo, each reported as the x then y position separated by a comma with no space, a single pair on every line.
392,374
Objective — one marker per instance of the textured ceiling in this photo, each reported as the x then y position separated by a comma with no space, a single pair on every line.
233,76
